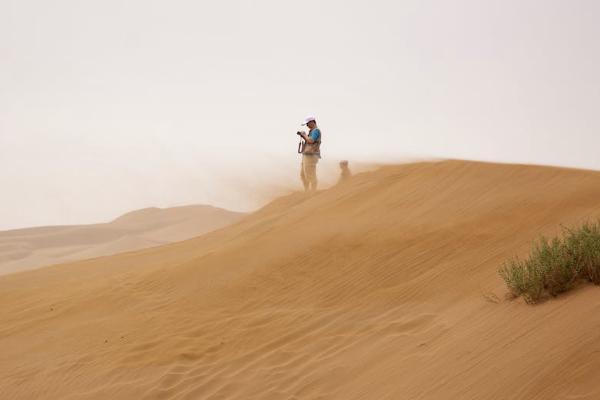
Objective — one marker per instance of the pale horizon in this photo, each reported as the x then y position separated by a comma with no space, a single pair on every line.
110,107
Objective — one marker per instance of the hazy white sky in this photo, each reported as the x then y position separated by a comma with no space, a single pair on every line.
108,106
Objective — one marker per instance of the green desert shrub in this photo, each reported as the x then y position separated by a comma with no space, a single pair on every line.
585,247
557,265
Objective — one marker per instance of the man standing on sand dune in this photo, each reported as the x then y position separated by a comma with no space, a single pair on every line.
311,153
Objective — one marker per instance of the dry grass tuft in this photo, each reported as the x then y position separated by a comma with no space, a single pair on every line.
557,265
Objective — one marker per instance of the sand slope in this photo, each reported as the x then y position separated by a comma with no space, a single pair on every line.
30,248
382,288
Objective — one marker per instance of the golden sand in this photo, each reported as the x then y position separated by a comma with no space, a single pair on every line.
384,287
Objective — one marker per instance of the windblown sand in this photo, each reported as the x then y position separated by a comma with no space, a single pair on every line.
384,287
30,248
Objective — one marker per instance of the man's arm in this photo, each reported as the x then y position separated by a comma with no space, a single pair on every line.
306,137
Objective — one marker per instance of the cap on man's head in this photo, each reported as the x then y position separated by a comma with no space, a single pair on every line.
308,119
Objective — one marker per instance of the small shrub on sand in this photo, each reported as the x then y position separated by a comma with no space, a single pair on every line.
557,265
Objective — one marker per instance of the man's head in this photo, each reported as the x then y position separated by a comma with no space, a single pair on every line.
310,121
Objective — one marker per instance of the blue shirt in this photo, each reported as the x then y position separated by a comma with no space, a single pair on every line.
315,135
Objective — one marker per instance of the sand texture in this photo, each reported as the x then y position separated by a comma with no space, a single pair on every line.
384,287
30,248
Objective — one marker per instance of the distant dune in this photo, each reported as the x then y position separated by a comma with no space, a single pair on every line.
30,248
384,287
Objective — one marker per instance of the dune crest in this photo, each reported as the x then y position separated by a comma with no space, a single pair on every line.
383,287
23,249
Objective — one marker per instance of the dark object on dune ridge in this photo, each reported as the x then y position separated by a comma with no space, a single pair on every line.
345,171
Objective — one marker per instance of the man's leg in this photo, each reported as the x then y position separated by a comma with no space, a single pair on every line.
310,171
303,175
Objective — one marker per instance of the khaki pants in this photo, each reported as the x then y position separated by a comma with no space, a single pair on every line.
308,171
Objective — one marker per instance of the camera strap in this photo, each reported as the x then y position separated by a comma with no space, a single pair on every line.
301,145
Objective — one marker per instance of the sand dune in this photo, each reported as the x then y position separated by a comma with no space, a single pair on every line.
384,287
23,249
